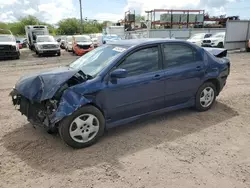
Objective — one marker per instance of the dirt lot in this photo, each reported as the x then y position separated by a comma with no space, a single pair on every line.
181,149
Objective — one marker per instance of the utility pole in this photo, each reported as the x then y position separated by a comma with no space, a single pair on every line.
81,27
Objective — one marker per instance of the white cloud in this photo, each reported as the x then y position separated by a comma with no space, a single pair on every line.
7,16
29,11
26,2
108,17
55,11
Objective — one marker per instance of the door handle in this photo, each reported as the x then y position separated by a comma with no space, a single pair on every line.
198,68
157,77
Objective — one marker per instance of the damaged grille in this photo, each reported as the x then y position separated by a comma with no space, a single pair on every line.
33,111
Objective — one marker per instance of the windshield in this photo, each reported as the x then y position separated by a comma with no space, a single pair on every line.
94,61
6,38
219,35
45,39
82,39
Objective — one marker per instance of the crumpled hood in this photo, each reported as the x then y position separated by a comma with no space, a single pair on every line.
8,43
41,86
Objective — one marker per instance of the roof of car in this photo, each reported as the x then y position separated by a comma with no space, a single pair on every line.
133,42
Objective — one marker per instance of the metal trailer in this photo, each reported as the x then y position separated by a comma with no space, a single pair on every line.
32,31
237,35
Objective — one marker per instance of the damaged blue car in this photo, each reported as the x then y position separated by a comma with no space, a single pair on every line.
120,82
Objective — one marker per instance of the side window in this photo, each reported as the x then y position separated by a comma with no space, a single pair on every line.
142,61
178,55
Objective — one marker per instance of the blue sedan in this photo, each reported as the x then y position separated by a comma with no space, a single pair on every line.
120,82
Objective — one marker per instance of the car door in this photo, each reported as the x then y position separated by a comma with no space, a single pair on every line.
184,72
142,90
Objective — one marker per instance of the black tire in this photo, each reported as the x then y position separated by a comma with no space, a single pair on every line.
59,54
198,105
18,55
66,49
64,127
220,45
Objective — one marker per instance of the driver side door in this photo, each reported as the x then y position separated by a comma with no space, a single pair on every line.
142,91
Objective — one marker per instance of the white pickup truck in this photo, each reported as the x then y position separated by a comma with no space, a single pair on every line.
46,44
8,47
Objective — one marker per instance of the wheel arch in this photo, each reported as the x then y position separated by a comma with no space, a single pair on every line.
216,83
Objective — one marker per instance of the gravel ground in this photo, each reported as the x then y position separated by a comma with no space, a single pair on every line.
181,149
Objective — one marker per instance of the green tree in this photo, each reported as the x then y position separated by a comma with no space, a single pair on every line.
69,26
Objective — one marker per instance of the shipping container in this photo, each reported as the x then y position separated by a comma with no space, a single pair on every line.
176,18
192,18
200,18
165,18
184,18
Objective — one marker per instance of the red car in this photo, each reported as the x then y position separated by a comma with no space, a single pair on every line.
82,44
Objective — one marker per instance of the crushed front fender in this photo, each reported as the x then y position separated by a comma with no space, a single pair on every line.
69,103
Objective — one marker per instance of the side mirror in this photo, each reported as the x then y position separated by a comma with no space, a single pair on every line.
119,73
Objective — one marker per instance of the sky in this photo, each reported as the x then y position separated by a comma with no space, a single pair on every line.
52,11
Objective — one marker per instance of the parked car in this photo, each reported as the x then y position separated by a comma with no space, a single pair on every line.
22,42
103,39
19,44
94,38
8,47
82,44
62,44
120,82
68,44
46,44
217,40
199,37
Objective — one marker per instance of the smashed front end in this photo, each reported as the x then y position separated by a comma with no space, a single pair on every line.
40,98
38,113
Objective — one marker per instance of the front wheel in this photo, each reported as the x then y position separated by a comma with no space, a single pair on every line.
220,45
83,127
205,97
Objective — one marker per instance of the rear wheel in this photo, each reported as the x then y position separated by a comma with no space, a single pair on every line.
205,96
83,127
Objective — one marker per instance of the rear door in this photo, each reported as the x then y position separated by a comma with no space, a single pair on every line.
184,72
